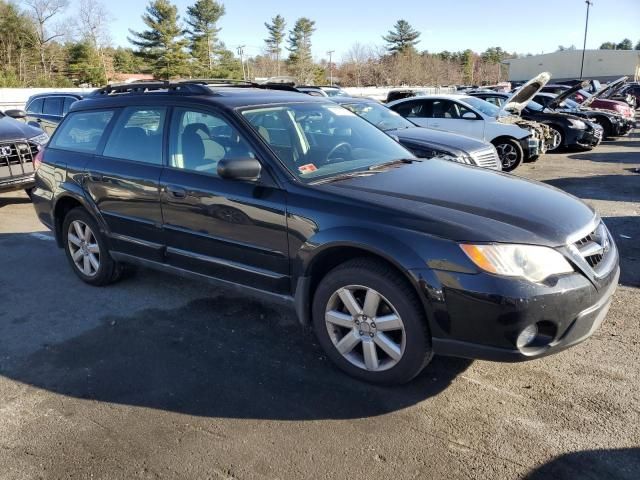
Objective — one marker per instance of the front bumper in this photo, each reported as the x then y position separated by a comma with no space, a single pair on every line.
480,315
16,183
531,147
588,138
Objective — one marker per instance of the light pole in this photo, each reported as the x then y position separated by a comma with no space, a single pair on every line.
330,53
584,45
241,55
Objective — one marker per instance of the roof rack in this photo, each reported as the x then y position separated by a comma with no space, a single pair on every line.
198,86
151,86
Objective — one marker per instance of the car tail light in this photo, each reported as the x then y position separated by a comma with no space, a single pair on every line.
38,159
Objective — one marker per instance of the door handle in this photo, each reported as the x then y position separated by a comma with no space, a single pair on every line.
39,120
175,192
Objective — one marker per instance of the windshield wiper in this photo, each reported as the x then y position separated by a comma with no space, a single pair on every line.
342,176
394,162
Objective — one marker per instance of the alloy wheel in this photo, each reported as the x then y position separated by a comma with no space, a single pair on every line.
83,248
555,141
508,154
365,328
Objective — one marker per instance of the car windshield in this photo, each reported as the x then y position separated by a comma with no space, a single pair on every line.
535,106
379,115
317,141
482,105
335,92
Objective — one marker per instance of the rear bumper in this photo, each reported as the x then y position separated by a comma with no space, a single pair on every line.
480,316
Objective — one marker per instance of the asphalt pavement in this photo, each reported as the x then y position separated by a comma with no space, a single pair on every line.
163,377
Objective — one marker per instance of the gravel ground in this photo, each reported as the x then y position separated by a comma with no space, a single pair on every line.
160,377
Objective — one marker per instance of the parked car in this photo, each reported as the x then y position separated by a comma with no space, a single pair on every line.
632,88
400,93
391,258
46,110
594,101
618,93
515,139
322,90
567,131
19,143
613,124
424,142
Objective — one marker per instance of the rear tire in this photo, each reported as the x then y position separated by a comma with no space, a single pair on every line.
87,250
510,153
370,322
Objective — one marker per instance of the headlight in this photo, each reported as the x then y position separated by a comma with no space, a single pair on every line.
532,262
41,139
465,159
577,124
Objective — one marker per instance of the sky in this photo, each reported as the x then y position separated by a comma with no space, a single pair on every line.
524,27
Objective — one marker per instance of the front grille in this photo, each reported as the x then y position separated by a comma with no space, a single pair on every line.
487,158
594,246
16,160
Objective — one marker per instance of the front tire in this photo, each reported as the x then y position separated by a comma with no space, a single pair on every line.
86,249
370,322
510,153
557,139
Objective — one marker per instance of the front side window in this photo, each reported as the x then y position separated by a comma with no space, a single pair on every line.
317,140
137,135
82,131
53,106
199,140
35,106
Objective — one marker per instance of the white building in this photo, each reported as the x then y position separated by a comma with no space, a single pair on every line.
603,65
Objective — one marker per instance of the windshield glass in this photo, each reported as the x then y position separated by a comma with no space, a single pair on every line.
535,106
318,140
335,92
481,105
380,116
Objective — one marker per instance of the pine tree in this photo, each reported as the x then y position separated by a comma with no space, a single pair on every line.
625,44
276,37
202,18
162,45
402,38
300,58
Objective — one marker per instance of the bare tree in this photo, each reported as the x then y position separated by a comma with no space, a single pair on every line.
43,12
94,28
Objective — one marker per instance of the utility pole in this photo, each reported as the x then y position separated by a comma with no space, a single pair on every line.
584,45
330,53
241,55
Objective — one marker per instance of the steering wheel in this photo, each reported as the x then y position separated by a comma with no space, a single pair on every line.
342,145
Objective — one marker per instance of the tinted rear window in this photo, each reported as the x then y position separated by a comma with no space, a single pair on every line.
81,131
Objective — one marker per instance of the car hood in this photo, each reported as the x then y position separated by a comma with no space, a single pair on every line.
561,97
12,129
442,139
524,94
469,204
603,90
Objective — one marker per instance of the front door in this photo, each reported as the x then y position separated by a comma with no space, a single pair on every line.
124,181
454,117
230,229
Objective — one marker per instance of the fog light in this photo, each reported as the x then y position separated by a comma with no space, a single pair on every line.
527,336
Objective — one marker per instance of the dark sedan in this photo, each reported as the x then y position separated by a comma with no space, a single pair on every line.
567,131
424,142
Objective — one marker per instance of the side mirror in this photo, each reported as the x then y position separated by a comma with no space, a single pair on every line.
17,114
239,169
469,116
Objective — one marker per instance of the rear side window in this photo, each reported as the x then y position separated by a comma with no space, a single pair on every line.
53,106
35,106
137,135
82,131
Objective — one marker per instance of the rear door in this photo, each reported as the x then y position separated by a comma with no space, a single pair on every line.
230,229
124,180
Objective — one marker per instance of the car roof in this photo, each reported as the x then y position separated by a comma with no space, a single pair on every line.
227,96
353,100
439,96
57,94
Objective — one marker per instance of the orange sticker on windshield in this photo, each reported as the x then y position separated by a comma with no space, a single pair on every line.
308,168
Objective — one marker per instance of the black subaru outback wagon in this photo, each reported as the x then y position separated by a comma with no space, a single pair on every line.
390,258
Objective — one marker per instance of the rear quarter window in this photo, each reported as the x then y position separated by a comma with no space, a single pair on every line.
81,131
